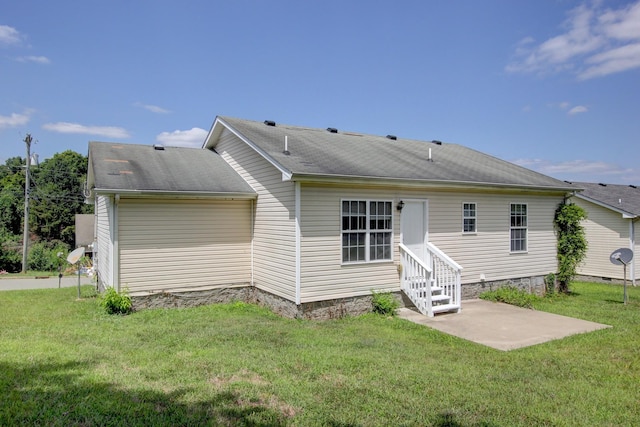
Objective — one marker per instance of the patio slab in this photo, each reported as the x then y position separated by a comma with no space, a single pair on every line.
502,326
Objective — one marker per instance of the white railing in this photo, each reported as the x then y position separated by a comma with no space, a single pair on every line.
415,280
447,274
418,278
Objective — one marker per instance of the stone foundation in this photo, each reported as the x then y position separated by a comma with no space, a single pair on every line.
194,298
318,310
533,285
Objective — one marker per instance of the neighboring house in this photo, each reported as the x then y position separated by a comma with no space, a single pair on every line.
314,220
612,215
85,230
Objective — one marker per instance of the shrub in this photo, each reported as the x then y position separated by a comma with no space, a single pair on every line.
43,256
116,303
550,284
511,295
384,303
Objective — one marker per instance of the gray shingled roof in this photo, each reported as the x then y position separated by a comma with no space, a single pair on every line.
131,167
622,198
318,152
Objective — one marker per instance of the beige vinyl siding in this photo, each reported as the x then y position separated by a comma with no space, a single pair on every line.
274,217
323,276
182,244
487,252
606,231
104,240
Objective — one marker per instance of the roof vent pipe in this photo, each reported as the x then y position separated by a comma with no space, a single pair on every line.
269,123
430,158
332,130
286,146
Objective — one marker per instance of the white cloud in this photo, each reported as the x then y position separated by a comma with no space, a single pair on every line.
583,170
577,110
596,43
183,138
36,59
564,105
75,128
9,35
152,108
15,119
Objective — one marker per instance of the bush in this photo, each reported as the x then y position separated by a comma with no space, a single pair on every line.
511,295
43,256
384,303
116,303
550,284
10,252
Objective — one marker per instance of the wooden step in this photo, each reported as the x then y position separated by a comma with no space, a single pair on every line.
445,307
440,298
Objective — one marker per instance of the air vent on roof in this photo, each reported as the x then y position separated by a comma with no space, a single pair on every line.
604,185
269,123
392,137
632,186
568,182
158,147
332,130
435,141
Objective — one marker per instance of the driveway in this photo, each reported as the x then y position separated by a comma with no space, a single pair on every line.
42,283
502,326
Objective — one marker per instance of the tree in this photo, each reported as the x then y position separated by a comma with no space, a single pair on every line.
57,196
572,242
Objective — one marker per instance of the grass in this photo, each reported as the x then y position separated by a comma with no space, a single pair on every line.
64,362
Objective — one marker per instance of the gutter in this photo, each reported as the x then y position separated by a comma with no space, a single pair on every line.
177,194
417,183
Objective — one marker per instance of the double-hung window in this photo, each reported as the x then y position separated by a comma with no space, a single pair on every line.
367,228
469,217
518,227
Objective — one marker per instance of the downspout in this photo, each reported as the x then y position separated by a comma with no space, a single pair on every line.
116,246
298,241
252,238
632,246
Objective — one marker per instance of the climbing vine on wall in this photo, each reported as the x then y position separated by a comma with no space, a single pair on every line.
572,242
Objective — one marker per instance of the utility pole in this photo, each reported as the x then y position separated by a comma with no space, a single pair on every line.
27,183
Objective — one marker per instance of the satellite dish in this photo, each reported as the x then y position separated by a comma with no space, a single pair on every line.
75,256
622,256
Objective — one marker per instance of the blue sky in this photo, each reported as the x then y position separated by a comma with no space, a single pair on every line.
552,85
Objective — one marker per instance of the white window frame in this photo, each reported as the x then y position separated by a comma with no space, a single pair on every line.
522,226
367,231
474,217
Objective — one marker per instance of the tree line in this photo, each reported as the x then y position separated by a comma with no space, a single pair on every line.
55,196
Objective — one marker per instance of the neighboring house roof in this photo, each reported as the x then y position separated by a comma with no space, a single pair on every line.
322,154
132,168
624,199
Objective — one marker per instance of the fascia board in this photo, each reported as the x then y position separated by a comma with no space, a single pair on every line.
176,194
418,183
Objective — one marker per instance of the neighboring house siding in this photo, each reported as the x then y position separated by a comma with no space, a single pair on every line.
606,231
274,217
104,239
181,244
487,252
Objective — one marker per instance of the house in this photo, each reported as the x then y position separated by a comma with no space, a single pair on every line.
612,213
311,221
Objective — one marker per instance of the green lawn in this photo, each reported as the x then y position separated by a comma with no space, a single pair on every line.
63,362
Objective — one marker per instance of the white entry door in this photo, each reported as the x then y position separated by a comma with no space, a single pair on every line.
413,226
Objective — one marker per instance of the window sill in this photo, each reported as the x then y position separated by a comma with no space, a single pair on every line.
380,261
